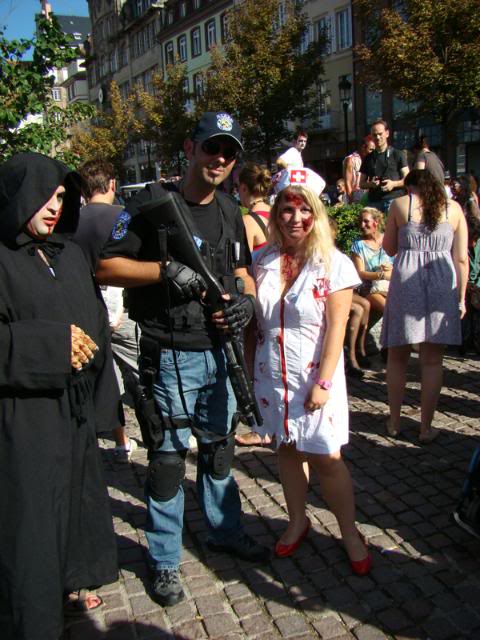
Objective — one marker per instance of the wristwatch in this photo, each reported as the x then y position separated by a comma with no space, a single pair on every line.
324,384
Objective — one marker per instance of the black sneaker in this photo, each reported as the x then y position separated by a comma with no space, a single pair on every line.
167,588
244,548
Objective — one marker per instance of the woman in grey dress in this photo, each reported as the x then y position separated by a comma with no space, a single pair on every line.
426,298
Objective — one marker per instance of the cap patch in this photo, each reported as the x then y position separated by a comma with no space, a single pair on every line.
120,226
224,122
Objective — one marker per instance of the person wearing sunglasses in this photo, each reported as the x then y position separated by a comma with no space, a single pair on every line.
181,343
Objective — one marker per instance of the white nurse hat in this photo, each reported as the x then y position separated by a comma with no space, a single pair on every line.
301,177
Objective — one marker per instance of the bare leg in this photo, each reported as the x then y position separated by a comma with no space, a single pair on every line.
337,491
294,478
377,302
356,315
396,379
365,304
431,366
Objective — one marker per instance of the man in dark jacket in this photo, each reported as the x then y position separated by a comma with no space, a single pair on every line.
181,345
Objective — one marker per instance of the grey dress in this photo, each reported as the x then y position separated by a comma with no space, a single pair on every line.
422,301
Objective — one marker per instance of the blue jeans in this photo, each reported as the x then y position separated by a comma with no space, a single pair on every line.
210,401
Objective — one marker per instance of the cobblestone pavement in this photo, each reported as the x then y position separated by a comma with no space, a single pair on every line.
426,577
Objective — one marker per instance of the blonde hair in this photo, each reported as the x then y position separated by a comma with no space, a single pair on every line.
376,214
319,242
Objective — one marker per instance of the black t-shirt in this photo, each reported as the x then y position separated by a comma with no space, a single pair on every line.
134,237
94,228
386,165
207,220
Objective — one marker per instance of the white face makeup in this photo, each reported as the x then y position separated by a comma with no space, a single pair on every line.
44,221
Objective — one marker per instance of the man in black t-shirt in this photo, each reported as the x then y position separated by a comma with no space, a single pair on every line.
383,171
181,338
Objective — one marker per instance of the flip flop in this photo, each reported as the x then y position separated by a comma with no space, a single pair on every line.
251,439
77,603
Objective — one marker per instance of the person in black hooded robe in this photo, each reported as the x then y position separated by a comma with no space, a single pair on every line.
56,533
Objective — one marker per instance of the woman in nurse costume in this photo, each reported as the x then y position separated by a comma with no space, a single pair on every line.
304,295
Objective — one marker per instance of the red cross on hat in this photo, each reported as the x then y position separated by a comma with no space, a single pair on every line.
298,176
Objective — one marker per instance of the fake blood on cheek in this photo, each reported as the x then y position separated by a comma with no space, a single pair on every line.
307,223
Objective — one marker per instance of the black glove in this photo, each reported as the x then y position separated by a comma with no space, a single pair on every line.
185,281
239,312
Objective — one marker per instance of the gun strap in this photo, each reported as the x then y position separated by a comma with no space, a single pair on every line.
163,244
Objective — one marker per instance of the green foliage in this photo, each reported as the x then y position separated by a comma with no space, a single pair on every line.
26,89
113,131
346,218
261,77
427,52
167,119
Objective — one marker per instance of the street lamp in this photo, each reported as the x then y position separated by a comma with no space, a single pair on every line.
345,90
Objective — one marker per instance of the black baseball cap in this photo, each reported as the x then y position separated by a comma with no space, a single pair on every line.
217,123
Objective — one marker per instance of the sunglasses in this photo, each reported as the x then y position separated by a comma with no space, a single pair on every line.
214,148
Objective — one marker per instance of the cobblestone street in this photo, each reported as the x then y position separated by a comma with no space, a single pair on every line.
426,577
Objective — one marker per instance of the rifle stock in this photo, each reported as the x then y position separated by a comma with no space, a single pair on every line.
168,213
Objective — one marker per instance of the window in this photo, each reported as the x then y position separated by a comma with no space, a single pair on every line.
113,61
57,94
71,91
373,105
210,34
198,84
224,21
183,9
170,16
324,99
196,42
196,4
182,48
323,30
186,86
305,41
169,59
122,56
124,89
344,31
282,14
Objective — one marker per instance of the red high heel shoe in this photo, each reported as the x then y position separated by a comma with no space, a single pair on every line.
285,550
362,567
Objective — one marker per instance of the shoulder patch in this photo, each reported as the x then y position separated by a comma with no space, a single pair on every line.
120,226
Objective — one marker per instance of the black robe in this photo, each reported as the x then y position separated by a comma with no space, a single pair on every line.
56,532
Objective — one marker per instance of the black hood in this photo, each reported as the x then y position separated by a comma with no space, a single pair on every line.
27,182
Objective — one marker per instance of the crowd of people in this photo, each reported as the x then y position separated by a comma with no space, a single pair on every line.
291,298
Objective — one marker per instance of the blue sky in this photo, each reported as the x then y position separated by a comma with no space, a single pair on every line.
18,16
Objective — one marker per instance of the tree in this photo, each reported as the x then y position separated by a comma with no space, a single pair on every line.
113,131
26,90
262,76
167,115
426,52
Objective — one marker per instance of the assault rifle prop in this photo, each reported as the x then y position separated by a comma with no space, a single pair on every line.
169,214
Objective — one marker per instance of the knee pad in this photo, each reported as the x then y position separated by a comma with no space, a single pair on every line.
219,456
166,471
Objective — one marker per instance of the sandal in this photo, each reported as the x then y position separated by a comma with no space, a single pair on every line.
252,439
79,603
431,435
